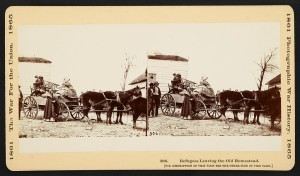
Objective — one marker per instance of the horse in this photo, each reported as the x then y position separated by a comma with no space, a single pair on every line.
233,99
138,106
270,100
108,100
236,100
249,103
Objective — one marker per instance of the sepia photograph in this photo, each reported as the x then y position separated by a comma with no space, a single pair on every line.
177,87
201,80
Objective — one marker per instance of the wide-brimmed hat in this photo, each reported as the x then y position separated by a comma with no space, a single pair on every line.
156,83
151,84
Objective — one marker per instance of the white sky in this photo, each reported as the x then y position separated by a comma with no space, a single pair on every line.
92,55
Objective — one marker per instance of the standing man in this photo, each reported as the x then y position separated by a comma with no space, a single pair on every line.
156,97
150,99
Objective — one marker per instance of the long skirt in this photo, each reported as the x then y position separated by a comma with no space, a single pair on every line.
48,111
186,106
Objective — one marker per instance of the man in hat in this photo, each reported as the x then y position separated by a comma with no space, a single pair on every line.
156,97
150,99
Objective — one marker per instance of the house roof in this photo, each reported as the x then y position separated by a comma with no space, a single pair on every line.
275,80
34,60
167,57
142,78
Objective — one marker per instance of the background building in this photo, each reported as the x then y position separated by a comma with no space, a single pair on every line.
276,81
29,67
141,81
164,66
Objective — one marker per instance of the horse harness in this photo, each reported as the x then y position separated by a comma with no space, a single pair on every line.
107,100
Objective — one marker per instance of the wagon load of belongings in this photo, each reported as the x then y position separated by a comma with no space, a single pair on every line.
67,89
203,90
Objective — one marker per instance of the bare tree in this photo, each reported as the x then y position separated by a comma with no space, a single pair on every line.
127,65
265,66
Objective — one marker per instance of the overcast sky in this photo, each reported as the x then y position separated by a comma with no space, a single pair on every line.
92,55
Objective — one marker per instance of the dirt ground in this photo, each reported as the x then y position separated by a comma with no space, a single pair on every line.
161,125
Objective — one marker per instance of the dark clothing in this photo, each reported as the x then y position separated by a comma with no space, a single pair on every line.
150,101
20,102
48,109
51,109
156,99
186,106
156,103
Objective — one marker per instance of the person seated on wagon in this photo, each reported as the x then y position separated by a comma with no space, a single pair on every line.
177,84
39,85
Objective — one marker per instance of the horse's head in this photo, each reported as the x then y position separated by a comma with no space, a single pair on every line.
84,100
136,91
275,92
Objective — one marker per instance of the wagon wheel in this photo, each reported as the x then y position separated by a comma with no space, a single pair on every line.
199,111
76,113
30,107
214,111
168,105
63,111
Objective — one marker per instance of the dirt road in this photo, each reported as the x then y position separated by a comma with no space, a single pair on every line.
162,125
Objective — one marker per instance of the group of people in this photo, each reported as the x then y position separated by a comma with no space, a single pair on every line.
51,106
154,95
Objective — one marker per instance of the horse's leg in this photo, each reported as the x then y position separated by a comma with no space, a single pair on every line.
235,116
246,114
258,107
117,119
85,114
272,121
254,117
135,117
99,117
121,114
109,113
121,108
223,110
257,118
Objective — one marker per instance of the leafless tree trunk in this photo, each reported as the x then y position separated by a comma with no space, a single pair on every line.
127,65
265,66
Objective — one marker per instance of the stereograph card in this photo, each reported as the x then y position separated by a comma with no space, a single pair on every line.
155,88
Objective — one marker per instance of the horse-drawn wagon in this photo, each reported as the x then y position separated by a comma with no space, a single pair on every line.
202,103
37,101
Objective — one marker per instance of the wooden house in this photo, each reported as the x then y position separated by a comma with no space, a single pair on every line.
141,81
276,81
164,66
29,67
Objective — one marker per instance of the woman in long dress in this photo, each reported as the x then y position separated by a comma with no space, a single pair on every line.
186,106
